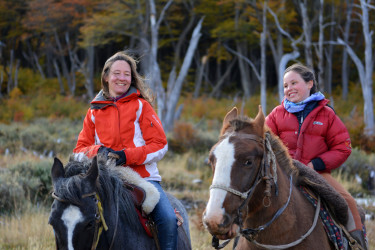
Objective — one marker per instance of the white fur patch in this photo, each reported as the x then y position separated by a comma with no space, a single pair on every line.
224,153
81,157
71,217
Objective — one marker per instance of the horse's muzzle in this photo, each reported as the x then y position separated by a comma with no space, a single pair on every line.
220,225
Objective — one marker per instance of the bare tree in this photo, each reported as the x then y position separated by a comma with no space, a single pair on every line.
365,70
241,47
329,53
285,58
154,70
259,73
320,52
12,72
175,85
344,67
307,31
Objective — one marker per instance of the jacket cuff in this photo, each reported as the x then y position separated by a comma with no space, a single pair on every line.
318,164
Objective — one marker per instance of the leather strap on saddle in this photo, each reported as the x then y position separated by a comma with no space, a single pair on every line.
138,195
154,232
353,243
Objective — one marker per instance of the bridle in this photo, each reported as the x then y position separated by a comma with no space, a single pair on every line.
264,174
100,223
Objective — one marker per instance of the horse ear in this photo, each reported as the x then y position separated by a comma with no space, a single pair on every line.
93,172
259,119
57,170
228,117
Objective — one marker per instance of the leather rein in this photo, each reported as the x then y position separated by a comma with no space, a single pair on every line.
264,174
100,223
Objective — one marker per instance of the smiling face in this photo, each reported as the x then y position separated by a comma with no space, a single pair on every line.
119,78
295,88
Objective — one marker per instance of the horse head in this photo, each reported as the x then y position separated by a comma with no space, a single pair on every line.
236,161
75,213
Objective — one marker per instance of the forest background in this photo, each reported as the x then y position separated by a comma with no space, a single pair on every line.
200,58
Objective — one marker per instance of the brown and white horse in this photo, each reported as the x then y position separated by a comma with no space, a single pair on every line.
253,193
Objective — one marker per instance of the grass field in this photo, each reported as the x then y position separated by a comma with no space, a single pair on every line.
30,229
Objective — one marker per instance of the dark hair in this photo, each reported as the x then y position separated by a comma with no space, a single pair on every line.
306,73
137,80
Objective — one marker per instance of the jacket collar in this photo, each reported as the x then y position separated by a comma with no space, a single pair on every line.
100,101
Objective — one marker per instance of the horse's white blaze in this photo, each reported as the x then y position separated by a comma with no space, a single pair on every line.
224,153
71,217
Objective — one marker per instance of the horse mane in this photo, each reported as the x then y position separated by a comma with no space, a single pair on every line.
247,125
281,152
109,187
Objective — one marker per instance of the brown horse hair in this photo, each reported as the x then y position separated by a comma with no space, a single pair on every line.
243,123
281,152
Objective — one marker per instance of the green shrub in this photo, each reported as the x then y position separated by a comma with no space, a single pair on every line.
186,138
23,183
11,192
42,136
10,138
360,163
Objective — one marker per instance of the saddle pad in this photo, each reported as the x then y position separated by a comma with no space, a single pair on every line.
333,232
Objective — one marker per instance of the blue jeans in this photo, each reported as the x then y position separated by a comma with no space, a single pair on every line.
165,220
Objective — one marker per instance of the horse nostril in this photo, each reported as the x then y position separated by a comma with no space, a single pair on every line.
226,220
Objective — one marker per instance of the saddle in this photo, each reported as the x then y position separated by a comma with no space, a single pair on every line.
314,182
145,197
334,213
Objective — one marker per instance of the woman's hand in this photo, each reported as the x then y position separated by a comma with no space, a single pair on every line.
120,157
310,165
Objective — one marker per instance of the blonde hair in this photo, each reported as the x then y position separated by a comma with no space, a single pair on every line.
136,79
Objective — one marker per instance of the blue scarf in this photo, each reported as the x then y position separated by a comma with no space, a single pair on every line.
292,107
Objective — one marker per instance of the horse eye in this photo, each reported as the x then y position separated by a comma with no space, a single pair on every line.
90,225
97,216
248,163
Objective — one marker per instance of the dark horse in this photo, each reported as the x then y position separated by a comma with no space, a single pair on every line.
93,210
254,191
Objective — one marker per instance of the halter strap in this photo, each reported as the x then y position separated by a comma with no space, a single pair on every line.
231,190
100,220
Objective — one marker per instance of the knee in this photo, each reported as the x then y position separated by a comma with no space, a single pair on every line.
170,220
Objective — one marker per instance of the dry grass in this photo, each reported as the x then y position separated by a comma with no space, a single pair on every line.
27,231
31,230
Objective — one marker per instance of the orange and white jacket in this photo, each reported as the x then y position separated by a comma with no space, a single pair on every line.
128,124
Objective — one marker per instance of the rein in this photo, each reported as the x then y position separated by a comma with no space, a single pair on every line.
99,217
263,174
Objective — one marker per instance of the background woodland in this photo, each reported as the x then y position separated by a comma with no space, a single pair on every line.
54,50
201,58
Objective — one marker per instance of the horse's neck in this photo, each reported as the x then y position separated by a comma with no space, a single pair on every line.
282,155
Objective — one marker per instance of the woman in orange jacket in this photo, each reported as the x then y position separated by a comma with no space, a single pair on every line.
122,120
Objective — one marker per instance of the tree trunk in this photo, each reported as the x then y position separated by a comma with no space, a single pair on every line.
63,63
10,84
175,93
320,52
222,79
329,55
307,31
285,58
199,76
245,77
365,70
263,43
345,66
242,49
59,78
369,63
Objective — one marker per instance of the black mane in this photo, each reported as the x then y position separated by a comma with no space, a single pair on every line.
109,187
